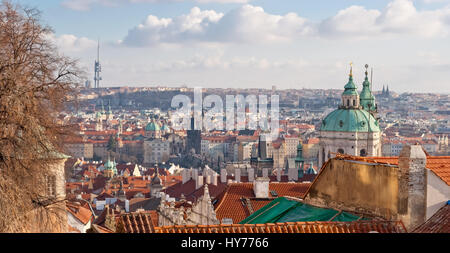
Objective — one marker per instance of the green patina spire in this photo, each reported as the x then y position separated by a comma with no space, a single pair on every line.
299,160
367,100
350,87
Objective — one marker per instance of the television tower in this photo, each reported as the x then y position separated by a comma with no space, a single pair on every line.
97,69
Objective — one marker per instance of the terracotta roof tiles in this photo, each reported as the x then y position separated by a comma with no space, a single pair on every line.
440,165
143,222
438,223
231,205
292,227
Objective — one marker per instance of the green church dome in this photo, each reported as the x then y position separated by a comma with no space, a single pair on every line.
152,126
350,120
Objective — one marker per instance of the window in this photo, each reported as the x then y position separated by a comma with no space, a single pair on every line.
341,151
348,102
362,152
354,102
51,185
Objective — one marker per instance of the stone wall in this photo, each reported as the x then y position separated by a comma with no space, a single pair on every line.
382,190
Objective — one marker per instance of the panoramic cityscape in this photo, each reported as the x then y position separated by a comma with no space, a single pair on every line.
234,118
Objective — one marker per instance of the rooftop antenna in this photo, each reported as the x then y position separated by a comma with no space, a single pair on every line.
97,68
371,76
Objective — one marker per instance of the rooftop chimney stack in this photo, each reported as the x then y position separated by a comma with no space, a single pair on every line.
223,176
413,186
261,187
208,179
184,175
265,172
251,174
199,182
214,179
194,174
293,174
237,175
278,174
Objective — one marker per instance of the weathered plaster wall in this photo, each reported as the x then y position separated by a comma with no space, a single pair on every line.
357,186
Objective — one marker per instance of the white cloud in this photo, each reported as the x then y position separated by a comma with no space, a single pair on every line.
245,24
400,17
68,43
254,25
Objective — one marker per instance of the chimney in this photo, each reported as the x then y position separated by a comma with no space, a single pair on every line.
199,182
265,172
194,174
293,174
261,187
214,180
223,176
237,175
412,186
208,179
278,174
184,175
251,174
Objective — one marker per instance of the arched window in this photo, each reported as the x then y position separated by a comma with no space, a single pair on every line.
354,102
362,152
348,102
340,151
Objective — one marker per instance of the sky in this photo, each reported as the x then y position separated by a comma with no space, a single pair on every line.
256,43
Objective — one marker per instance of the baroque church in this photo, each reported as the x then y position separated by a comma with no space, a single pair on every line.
353,128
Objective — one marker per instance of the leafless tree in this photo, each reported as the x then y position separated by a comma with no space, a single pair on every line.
36,82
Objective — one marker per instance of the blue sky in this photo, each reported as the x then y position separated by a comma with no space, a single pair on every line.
260,43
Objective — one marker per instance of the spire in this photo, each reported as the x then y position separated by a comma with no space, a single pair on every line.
367,100
384,91
366,73
351,70
350,87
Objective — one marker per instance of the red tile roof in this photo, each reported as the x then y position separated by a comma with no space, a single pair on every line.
438,223
291,227
192,194
143,222
84,215
101,229
230,205
440,165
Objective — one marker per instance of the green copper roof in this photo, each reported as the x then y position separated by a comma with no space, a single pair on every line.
366,97
299,157
350,120
152,126
109,165
350,87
